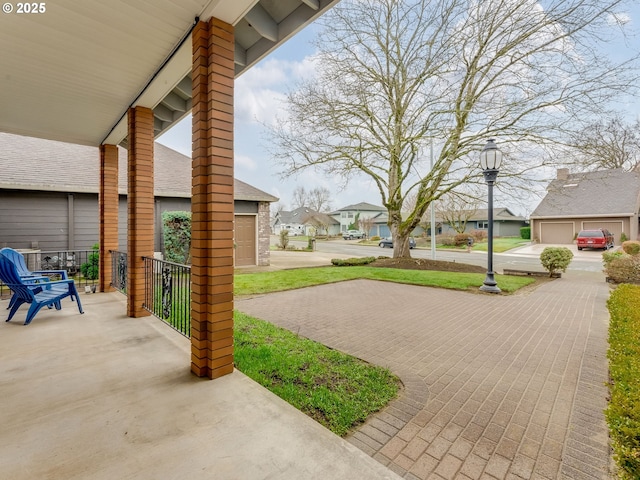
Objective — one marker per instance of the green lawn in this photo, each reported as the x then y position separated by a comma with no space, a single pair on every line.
264,282
337,390
501,244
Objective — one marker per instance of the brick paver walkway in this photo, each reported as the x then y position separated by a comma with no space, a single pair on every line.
496,387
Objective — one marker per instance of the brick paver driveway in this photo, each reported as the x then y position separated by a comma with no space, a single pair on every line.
503,387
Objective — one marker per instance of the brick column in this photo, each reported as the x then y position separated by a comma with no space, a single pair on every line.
108,212
212,200
139,205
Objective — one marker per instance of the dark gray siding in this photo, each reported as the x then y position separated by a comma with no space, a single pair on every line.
33,220
85,221
41,219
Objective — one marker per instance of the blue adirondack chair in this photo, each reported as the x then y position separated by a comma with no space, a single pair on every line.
43,295
35,277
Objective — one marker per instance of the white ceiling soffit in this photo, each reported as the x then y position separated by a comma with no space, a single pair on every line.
70,73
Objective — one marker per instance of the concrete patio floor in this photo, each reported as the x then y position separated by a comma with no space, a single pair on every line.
103,396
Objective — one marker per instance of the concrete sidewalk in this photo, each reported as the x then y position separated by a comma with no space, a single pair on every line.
103,396
496,387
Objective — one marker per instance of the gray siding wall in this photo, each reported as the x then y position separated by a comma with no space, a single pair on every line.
33,220
41,220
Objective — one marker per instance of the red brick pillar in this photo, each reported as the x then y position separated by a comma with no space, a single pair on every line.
108,212
212,200
139,205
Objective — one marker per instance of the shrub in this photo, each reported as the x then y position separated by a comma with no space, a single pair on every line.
556,259
284,239
461,239
623,237
90,270
375,238
525,233
608,257
177,236
623,412
632,247
351,262
446,240
624,269
479,235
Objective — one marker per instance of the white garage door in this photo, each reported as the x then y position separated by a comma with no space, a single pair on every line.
614,227
556,232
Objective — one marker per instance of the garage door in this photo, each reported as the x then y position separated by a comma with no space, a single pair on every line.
559,233
614,227
245,239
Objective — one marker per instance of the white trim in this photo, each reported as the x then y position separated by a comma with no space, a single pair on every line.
604,215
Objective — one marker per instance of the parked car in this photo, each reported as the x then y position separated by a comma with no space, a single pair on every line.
388,242
598,238
351,234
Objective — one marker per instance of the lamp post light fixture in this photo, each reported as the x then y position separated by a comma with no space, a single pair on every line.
490,161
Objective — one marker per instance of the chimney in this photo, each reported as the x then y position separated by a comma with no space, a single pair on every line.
562,174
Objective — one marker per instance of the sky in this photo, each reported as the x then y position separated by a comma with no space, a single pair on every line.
259,96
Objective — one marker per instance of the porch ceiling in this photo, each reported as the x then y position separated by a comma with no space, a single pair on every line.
71,72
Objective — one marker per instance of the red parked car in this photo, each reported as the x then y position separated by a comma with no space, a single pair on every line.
599,238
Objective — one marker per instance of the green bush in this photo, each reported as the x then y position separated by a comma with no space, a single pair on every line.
632,247
624,269
623,412
284,239
555,259
608,257
176,233
351,262
525,232
623,237
90,270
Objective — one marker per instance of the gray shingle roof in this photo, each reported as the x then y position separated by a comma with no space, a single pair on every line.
362,206
28,163
605,192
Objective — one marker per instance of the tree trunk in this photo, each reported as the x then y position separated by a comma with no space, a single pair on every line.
401,246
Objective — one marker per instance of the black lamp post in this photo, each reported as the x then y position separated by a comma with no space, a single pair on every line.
490,161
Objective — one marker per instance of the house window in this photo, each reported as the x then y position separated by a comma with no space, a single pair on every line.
483,225
350,214
343,215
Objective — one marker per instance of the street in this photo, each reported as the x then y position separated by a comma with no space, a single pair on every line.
522,258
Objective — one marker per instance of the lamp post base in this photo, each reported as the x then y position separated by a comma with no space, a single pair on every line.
490,285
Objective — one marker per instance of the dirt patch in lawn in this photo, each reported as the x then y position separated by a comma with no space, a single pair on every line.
426,264
440,265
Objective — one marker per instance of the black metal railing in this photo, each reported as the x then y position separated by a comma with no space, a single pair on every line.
168,293
119,270
80,265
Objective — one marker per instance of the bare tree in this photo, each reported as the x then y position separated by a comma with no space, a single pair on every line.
457,209
394,76
365,224
319,199
606,144
300,197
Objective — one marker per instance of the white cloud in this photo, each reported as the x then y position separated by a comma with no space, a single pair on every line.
244,162
260,93
618,19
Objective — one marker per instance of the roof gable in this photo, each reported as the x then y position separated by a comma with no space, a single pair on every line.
361,207
603,192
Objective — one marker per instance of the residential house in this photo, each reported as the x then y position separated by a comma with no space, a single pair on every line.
49,198
580,201
347,216
505,222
